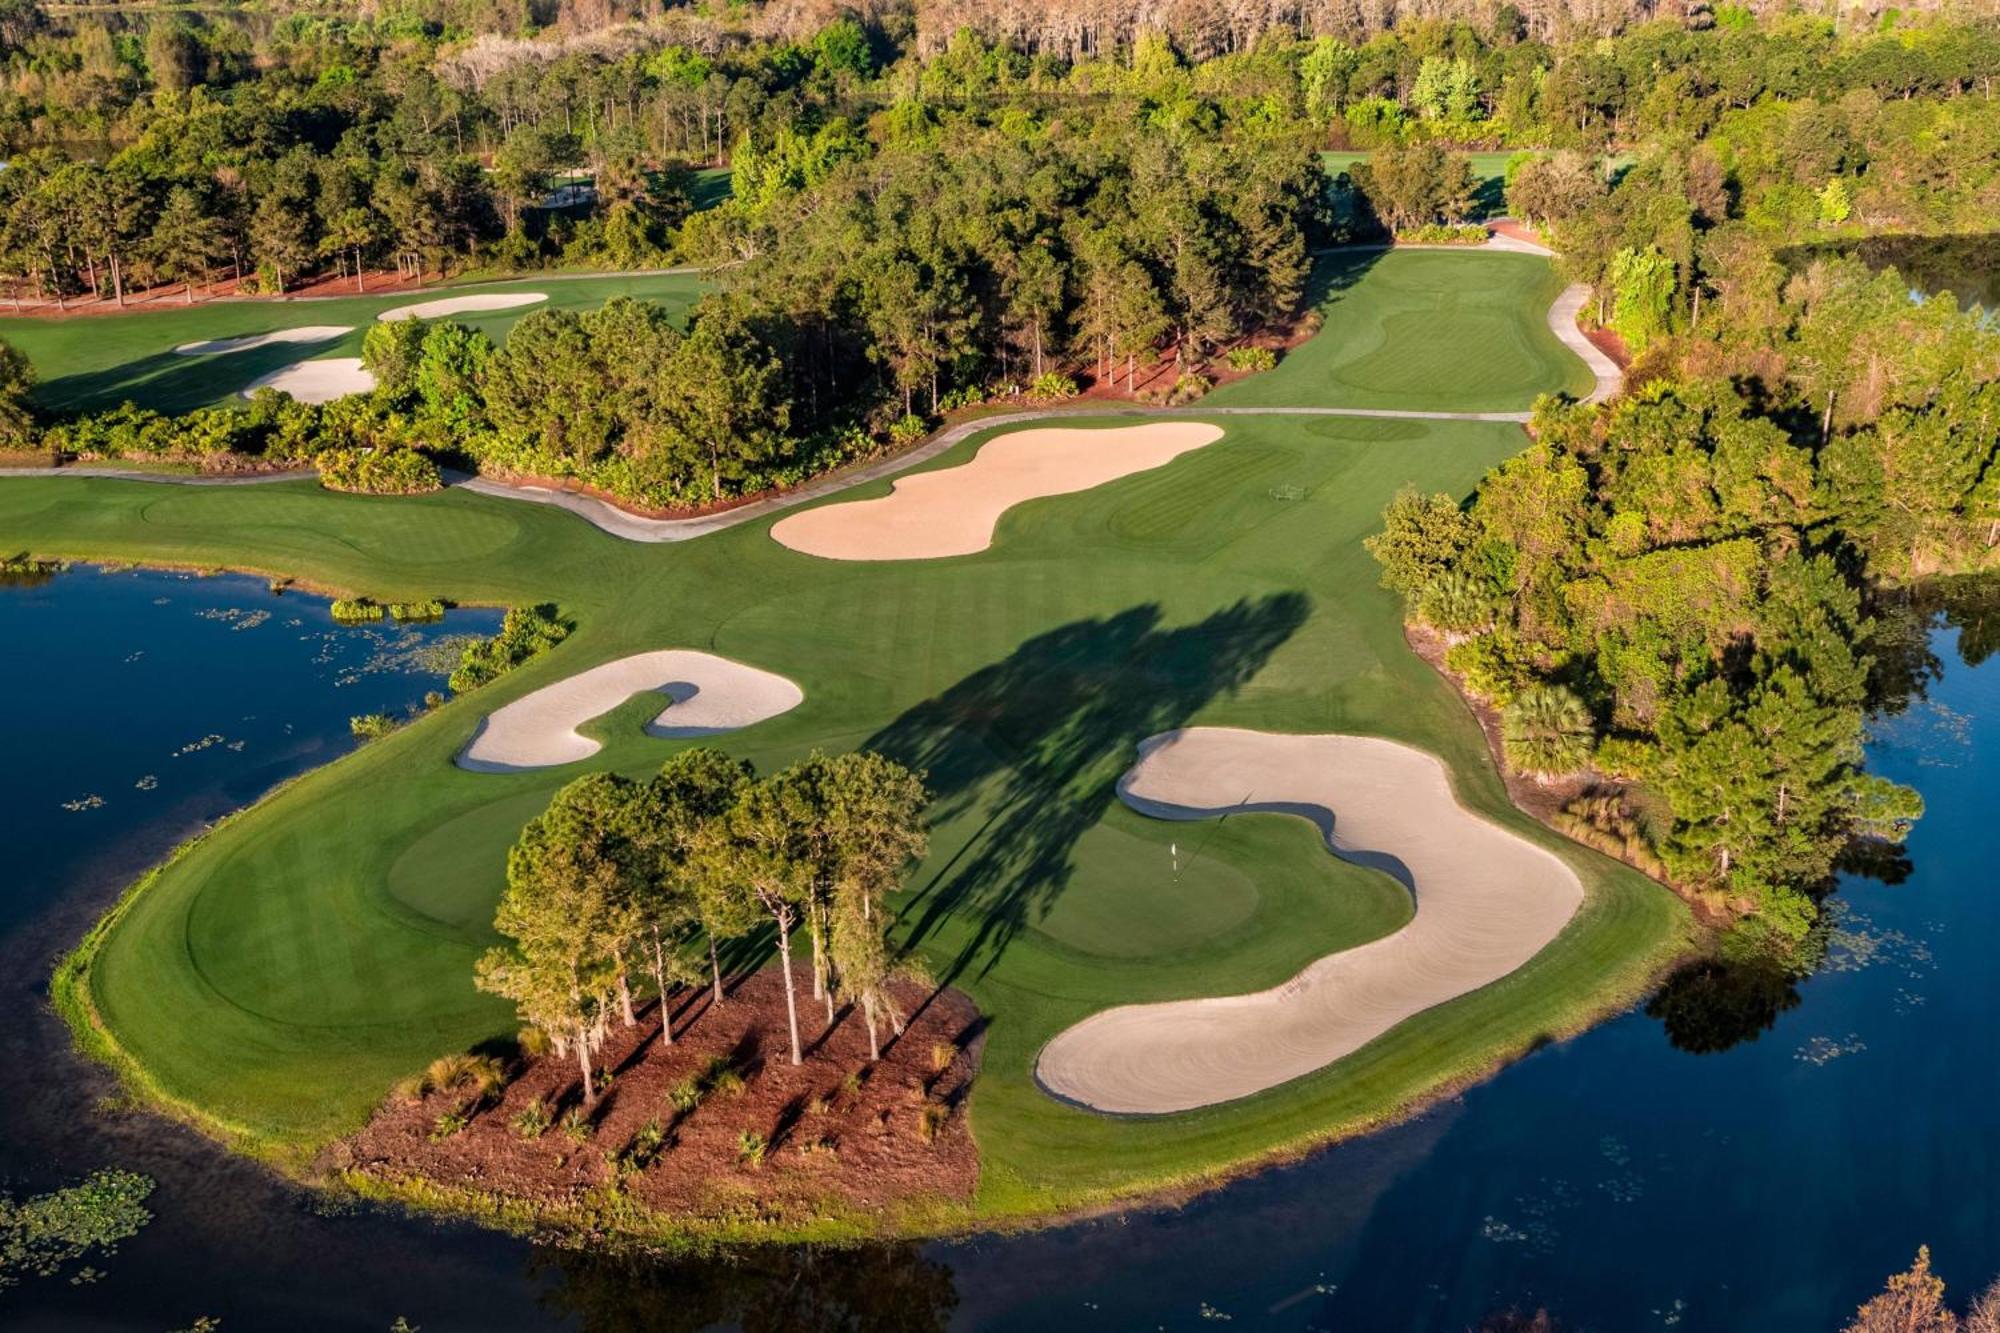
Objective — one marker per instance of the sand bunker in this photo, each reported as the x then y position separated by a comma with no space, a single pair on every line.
953,511
317,381
1486,902
461,305
308,333
709,694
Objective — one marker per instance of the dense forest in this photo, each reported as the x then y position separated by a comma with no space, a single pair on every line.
918,221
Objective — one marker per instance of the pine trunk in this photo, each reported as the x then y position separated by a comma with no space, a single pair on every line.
791,996
715,966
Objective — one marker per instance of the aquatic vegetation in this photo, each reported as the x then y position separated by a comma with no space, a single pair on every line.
40,1235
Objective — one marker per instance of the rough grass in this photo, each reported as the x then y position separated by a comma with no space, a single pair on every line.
285,971
88,362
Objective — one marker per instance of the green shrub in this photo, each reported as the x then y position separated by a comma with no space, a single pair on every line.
685,1095
356,610
378,471
531,1121
371,726
1052,386
750,1148
448,1124
425,610
525,632
576,1126
1188,387
1251,358
1440,233
908,430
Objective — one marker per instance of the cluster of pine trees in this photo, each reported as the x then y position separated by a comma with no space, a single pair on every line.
1667,592
617,883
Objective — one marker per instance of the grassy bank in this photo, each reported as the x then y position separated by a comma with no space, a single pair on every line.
285,970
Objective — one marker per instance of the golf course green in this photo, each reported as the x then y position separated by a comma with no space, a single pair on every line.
84,363
275,979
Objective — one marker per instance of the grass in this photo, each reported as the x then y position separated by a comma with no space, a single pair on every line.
88,362
1424,330
282,972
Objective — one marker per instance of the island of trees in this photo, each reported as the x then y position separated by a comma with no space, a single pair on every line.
658,1066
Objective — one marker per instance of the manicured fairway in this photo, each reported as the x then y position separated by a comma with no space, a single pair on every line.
1424,330
97,361
284,972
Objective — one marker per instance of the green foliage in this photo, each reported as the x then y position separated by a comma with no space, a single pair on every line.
1052,387
1547,731
750,1148
525,631
369,471
1414,184
531,1121
1249,358
1642,284
1422,537
41,1234
1442,233
356,610
372,726
1658,559
428,609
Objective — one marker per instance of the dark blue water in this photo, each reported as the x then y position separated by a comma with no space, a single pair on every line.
1616,1180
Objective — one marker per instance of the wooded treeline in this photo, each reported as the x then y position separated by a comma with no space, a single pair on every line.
1691,590
168,147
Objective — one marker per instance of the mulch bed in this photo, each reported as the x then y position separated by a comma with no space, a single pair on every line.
844,1136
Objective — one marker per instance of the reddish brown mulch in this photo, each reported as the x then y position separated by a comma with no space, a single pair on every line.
845,1136
1611,345
174,295
572,486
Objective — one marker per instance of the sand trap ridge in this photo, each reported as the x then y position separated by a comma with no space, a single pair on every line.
953,511
708,694
305,333
317,381
461,305
1487,901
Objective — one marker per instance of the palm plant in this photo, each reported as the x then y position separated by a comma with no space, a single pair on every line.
1547,731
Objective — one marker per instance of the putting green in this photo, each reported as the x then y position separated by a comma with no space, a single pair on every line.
95,361
278,977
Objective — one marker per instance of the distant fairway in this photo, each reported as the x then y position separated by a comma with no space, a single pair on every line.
283,973
1423,330
88,362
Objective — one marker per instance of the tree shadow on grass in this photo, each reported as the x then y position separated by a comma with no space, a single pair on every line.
168,382
1036,742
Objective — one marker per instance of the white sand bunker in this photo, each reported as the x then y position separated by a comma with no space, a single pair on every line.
461,305
1486,902
306,333
953,511
317,381
709,694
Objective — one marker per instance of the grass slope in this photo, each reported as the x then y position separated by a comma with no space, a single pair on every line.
284,971
88,362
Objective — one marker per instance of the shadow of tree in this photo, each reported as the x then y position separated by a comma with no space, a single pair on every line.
1038,740
759,1289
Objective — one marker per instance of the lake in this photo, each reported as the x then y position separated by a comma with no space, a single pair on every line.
1767,1172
